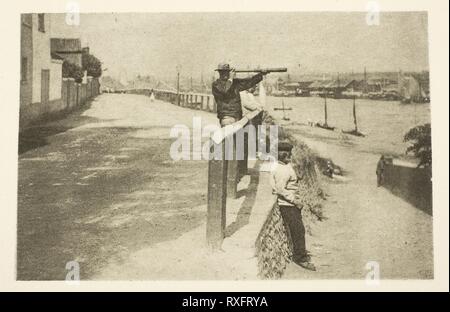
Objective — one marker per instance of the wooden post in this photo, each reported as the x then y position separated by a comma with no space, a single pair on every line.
178,87
67,97
243,164
214,106
257,120
78,101
233,169
217,199
207,104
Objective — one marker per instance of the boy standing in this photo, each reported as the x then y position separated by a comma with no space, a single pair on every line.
284,183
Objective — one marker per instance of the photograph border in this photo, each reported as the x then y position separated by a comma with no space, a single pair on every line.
9,79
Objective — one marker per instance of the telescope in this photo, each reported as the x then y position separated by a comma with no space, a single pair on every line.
258,70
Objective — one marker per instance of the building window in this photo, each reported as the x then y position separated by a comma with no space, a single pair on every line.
23,69
41,22
27,20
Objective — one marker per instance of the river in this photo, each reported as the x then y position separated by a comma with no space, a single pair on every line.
383,122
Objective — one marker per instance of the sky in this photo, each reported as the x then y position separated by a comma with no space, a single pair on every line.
156,43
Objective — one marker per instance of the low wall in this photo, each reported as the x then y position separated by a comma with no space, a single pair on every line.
412,184
274,245
73,96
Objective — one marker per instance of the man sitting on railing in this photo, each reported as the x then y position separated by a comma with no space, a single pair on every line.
284,183
226,91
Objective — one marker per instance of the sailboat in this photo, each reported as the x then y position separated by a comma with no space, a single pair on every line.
355,131
325,124
284,113
283,109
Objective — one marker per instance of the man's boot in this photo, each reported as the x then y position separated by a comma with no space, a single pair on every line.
307,265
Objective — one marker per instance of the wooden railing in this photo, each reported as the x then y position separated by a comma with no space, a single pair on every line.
200,101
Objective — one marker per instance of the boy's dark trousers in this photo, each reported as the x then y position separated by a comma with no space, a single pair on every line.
292,217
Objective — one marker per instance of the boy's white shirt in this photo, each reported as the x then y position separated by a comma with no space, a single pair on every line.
284,182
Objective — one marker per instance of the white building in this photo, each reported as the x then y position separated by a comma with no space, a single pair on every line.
41,75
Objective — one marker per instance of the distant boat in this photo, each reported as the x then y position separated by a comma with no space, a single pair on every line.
325,110
411,89
280,108
324,126
355,131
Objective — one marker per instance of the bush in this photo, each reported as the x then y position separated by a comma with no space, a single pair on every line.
71,70
420,139
92,65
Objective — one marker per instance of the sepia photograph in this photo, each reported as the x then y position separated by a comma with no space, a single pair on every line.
225,146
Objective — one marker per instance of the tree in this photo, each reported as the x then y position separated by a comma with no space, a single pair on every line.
420,139
92,65
71,70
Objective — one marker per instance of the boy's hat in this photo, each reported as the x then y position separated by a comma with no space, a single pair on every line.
285,147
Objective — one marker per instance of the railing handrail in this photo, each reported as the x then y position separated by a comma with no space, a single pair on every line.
174,92
221,134
195,93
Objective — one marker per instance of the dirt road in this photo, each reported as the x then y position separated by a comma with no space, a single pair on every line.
100,184
365,223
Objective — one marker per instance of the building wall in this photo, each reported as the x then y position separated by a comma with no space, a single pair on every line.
26,59
35,45
63,96
55,79
42,60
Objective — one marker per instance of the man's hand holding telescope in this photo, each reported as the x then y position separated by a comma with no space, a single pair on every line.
262,71
227,88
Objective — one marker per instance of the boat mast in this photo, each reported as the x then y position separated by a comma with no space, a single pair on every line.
354,104
354,114
365,81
